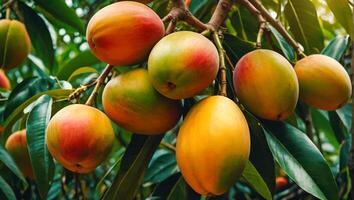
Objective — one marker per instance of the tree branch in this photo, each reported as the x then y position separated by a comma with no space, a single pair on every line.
99,82
220,14
277,25
222,68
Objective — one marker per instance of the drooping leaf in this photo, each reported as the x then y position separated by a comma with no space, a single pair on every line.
336,47
41,160
178,191
342,13
133,166
60,11
322,125
7,190
85,58
301,160
7,160
162,165
285,47
172,188
39,34
251,176
82,70
16,114
304,24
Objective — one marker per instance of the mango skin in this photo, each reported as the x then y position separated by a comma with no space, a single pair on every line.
80,137
323,81
4,81
213,145
15,43
182,64
141,1
266,84
124,33
16,145
132,102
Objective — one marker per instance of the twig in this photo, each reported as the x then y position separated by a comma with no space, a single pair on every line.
171,26
99,82
168,146
222,68
277,25
229,62
6,5
220,14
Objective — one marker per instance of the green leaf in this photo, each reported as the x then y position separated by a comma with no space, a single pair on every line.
60,11
236,47
322,125
7,160
178,191
261,157
16,114
25,90
301,160
285,47
133,166
82,70
304,24
336,47
7,190
85,58
251,176
39,33
42,162
162,165
342,13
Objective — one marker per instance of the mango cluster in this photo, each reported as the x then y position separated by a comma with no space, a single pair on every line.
213,142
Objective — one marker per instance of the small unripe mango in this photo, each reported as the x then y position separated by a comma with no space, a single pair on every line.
323,81
15,43
16,145
80,137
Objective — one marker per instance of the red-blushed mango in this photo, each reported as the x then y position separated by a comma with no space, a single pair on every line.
16,145
323,81
124,33
266,84
4,81
132,102
15,43
80,137
182,64
213,145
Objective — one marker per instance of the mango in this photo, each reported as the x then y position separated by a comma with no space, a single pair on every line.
182,64
79,137
213,145
323,81
266,84
4,81
15,43
124,33
131,101
16,145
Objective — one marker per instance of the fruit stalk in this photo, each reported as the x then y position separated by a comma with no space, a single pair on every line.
274,22
99,82
222,67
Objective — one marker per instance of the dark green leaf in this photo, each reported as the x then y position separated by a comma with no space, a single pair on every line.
16,114
85,58
344,153
162,165
301,160
178,191
251,176
236,48
336,47
133,166
7,190
321,124
285,47
7,160
59,10
304,24
41,160
39,33
343,13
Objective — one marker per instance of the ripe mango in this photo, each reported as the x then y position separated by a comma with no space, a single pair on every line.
323,81
132,102
266,84
213,145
